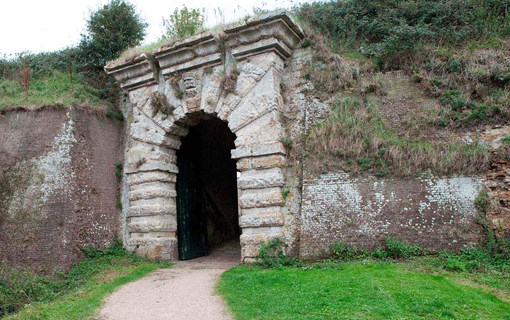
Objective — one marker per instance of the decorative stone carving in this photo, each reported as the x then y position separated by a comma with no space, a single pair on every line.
191,84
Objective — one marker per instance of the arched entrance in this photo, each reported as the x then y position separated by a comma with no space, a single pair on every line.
207,208
235,76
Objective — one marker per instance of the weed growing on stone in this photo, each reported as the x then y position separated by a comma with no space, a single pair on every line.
114,113
287,142
272,255
482,201
285,193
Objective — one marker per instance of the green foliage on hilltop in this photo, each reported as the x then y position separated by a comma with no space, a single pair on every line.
454,52
110,30
74,75
55,88
393,30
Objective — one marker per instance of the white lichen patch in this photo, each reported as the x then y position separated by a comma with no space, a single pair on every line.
55,166
30,184
454,195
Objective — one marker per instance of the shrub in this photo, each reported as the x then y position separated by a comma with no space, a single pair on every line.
482,200
454,264
114,113
184,22
397,249
344,252
111,29
272,255
395,29
20,287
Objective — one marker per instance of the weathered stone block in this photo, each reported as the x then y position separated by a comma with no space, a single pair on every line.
261,217
152,190
152,207
133,74
154,248
263,99
156,166
150,176
265,129
257,198
258,179
268,161
161,223
271,148
260,235
145,129
243,164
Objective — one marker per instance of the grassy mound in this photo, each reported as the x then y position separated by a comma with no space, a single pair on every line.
453,79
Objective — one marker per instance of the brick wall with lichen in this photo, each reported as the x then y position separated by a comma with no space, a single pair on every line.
437,213
58,189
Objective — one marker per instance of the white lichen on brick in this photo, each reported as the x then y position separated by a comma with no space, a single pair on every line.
55,167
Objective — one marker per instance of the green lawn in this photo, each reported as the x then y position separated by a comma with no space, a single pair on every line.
80,293
357,290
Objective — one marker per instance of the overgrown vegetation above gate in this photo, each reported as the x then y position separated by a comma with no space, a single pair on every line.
454,56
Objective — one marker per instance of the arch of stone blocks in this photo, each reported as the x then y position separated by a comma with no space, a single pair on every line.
234,75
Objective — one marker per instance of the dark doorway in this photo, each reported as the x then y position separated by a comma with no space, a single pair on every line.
206,189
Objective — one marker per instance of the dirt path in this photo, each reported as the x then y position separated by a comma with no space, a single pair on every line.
184,291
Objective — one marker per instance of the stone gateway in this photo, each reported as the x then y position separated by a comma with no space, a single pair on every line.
233,77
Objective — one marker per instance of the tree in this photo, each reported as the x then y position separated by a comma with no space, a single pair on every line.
184,22
111,29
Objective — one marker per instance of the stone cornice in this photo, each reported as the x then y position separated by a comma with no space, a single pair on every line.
274,32
189,53
136,73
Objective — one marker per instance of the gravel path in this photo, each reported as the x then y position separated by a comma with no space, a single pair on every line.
184,291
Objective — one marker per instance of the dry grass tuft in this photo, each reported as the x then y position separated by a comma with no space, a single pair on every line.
354,138
329,72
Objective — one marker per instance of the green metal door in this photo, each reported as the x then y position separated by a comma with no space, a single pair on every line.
191,220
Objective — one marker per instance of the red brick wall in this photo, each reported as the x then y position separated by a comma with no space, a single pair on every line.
58,189
434,213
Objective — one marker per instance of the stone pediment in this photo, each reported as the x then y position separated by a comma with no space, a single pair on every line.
274,32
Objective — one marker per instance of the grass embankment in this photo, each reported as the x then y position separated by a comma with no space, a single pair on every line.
56,88
454,52
355,138
401,281
54,79
75,295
